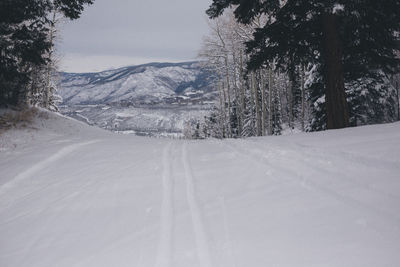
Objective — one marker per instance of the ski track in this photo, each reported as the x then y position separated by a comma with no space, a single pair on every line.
258,155
30,172
295,156
202,244
165,244
324,160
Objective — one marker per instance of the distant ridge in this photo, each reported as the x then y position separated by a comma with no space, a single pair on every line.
161,64
154,81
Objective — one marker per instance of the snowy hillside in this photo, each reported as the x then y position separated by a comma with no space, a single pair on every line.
146,83
152,99
73,195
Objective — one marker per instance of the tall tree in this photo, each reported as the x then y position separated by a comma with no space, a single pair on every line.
348,39
24,42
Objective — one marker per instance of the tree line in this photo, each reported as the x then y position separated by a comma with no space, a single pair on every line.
27,37
306,65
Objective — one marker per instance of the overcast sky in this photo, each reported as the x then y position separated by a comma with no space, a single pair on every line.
115,33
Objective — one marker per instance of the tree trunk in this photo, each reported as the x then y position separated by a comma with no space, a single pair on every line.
222,104
289,92
263,100
237,106
270,80
336,104
302,70
48,92
398,100
257,103
242,92
228,90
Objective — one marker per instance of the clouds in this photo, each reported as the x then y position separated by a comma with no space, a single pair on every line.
147,30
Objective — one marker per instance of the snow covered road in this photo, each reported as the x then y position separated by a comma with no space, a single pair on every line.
71,195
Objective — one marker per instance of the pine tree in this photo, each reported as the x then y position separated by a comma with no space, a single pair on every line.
348,39
316,87
371,100
24,42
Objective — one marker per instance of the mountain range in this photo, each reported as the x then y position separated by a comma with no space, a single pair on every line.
148,83
152,99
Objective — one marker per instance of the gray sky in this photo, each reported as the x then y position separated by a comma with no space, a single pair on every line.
115,33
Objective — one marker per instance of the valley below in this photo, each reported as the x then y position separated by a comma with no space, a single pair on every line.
156,120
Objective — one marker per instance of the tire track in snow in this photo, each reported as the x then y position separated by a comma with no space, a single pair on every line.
202,246
165,243
30,172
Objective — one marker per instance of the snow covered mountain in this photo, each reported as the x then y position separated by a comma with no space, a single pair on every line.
149,83
151,99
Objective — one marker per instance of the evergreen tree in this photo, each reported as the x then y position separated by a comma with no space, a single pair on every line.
371,100
348,39
24,28
316,97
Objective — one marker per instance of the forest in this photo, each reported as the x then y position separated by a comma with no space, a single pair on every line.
276,69
28,64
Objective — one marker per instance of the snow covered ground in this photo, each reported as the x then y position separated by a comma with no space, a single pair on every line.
72,195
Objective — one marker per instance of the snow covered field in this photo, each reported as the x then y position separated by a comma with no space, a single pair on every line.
72,195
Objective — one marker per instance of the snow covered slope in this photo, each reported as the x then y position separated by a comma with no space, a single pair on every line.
72,195
146,83
152,99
